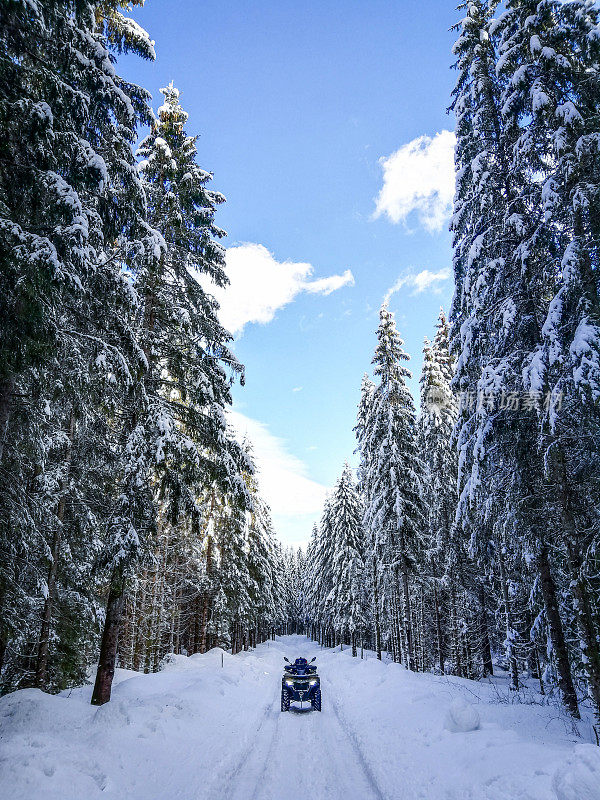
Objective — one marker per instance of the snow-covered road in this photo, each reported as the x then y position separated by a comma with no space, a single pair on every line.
209,728
301,753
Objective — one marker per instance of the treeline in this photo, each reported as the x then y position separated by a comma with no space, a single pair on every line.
124,495
476,523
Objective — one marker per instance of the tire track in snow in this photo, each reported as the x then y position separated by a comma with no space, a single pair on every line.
351,739
227,792
307,753
239,784
291,754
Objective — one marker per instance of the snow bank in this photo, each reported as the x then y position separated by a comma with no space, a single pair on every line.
461,717
432,737
579,777
178,733
209,727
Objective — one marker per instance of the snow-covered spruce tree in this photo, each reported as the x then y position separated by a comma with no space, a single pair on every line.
71,211
219,627
264,599
482,194
293,594
234,576
232,557
361,430
446,552
309,579
500,249
59,99
393,474
550,63
551,55
321,577
182,444
348,593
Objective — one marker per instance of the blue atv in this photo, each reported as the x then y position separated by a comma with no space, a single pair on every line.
301,684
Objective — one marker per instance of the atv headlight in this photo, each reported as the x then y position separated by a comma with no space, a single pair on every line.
289,683
313,682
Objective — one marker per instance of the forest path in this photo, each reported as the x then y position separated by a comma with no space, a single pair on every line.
303,753
209,727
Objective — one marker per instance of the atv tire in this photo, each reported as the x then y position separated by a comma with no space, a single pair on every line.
285,700
316,701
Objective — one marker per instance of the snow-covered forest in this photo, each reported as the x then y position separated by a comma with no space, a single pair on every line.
131,523
472,535
133,532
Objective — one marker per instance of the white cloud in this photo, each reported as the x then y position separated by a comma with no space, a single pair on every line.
419,177
419,282
295,499
260,285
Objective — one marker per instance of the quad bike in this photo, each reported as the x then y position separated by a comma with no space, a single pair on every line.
301,684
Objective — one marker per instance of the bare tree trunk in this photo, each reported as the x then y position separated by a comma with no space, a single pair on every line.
513,668
585,624
197,624
438,628
139,622
484,636
206,595
376,611
407,622
150,626
455,637
588,631
557,636
422,631
110,639
399,649
157,643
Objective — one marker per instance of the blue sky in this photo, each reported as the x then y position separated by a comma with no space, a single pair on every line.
310,116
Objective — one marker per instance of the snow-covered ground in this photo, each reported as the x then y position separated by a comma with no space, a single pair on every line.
209,727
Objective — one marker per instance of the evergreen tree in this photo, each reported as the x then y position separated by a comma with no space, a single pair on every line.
71,213
347,597
445,550
556,102
394,473
180,445
361,430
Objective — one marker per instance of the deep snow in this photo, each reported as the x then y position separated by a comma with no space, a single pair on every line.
200,731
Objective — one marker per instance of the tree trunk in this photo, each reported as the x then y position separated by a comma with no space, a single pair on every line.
588,633
438,628
7,387
206,594
557,636
399,647
150,628
422,631
484,635
376,613
455,637
110,639
44,642
138,623
407,622
512,660
585,624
